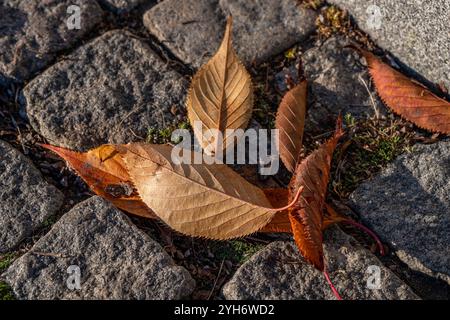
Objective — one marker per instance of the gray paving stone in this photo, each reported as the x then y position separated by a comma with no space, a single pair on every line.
193,29
122,6
408,205
113,89
337,79
32,32
116,260
26,199
415,31
279,272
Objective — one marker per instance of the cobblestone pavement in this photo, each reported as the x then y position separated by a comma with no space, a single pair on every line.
121,75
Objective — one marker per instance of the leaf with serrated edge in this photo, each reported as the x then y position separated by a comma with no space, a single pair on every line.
290,120
200,200
280,222
307,215
220,97
408,98
102,168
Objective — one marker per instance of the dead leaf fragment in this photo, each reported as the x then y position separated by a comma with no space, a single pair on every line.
220,97
290,121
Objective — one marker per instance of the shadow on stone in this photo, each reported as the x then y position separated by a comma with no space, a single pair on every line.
407,205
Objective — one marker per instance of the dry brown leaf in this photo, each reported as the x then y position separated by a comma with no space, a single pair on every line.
201,200
280,221
307,215
103,170
408,98
220,96
290,121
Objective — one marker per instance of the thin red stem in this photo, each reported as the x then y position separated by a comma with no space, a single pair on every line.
333,288
369,232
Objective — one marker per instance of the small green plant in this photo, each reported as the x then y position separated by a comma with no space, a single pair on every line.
160,136
237,251
6,260
184,125
373,144
313,4
6,292
49,221
332,20
291,53
349,120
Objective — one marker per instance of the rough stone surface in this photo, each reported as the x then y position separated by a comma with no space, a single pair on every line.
110,90
279,272
415,31
336,78
122,6
26,200
32,32
116,260
193,29
408,205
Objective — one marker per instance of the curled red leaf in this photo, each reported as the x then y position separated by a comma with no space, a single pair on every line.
408,98
307,215
290,122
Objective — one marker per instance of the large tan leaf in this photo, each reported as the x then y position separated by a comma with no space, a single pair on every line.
220,96
202,200
307,215
103,170
408,98
290,122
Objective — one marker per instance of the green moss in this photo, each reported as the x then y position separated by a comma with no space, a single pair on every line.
160,136
332,20
291,53
349,120
372,145
6,292
49,221
184,125
237,251
6,260
313,4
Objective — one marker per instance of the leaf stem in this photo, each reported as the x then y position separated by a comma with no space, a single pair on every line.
333,288
294,201
369,232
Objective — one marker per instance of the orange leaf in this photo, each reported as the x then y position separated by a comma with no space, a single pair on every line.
103,170
290,121
408,98
278,197
281,223
306,216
